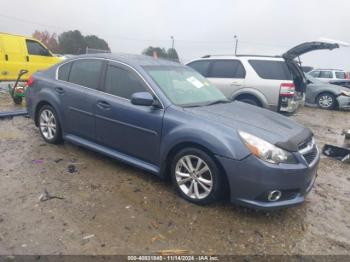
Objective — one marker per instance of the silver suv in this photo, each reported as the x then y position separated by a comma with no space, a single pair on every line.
276,83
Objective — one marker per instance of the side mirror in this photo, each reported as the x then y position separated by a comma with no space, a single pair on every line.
142,99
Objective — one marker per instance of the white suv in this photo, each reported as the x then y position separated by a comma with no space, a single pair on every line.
276,83
327,75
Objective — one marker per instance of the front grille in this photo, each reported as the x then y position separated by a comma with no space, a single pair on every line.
308,150
311,155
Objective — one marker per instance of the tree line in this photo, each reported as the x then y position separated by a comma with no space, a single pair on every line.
74,43
70,42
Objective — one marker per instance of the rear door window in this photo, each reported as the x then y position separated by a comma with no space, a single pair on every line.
121,82
326,74
226,69
273,70
86,73
201,67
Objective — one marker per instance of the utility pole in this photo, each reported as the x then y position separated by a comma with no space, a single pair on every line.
236,45
172,42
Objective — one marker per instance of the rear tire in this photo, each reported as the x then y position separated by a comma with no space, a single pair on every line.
49,125
196,176
326,101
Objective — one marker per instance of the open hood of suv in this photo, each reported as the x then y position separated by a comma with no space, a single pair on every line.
308,47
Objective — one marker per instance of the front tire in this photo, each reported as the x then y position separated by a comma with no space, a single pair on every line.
49,126
326,101
196,176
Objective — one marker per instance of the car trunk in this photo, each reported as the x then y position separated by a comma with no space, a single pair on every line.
296,70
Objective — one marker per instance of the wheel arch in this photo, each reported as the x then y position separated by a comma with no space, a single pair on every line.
166,172
251,92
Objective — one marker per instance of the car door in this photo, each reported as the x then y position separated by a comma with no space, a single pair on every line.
77,87
38,57
130,129
227,74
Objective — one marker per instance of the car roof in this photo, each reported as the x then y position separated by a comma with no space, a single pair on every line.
323,69
246,57
130,59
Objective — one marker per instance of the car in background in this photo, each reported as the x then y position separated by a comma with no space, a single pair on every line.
167,119
328,75
325,95
276,83
23,53
343,83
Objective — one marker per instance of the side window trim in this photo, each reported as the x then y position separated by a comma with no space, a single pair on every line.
212,61
106,60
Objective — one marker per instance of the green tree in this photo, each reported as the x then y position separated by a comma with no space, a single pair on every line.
172,54
72,42
50,40
95,42
161,52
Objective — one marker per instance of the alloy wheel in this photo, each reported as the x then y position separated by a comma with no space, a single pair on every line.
194,177
48,124
325,101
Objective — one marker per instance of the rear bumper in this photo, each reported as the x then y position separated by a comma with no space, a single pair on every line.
251,180
290,104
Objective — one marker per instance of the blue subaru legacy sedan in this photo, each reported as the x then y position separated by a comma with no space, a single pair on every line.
167,119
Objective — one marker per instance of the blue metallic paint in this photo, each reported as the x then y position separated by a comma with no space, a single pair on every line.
144,136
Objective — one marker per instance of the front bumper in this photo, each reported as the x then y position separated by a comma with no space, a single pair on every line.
251,179
343,102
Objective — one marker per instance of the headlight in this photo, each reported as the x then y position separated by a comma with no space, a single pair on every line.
266,151
345,93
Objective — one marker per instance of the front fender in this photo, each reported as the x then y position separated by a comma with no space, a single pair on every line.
225,144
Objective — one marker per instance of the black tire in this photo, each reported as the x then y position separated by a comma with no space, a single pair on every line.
250,100
57,136
323,101
217,188
17,100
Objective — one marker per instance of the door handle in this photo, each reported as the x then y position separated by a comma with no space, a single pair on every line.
236,84
7,57
27,57
103,105
59,90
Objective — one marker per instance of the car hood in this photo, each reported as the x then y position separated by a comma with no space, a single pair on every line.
272,127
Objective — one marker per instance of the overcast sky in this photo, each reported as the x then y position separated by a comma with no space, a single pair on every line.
199,26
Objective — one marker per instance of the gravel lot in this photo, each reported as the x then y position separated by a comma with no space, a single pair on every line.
111,208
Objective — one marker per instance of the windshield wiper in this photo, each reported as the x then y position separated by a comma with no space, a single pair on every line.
219,101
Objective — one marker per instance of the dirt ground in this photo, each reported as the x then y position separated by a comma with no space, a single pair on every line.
111,208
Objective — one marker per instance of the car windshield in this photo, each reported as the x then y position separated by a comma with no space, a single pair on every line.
184,86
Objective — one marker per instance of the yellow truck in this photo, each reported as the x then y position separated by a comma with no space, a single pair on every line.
23,53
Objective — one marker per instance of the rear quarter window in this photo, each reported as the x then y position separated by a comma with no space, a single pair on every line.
340,75
273,70
63,72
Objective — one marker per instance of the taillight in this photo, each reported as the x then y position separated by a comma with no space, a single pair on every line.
347,75
287,89
30,81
